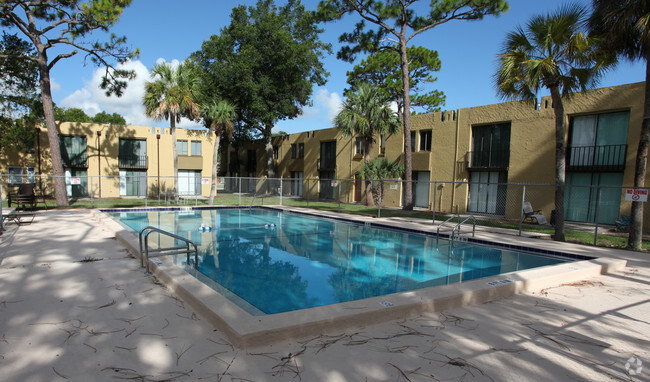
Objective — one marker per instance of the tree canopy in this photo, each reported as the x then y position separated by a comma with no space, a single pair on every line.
552,51
20,108
383,69
74,114
265,62
623,28
63,25
393,24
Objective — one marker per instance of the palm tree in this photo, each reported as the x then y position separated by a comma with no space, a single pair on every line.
366,113
170,96
219,117
381,169
623,28
552,52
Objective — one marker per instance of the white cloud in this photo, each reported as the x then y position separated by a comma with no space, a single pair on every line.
54,86
92,98
331,102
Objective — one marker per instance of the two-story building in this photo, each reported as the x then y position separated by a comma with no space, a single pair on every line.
116,161
475,155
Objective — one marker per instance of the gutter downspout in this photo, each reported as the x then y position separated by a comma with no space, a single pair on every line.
453,186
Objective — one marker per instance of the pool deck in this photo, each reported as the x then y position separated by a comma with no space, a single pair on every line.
74,304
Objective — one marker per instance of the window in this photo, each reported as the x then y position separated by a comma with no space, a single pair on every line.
358,146
490,146
73,151
412,141
294,151
328,155
181,147
195,148
382,144
132,153
425,140
251,163
31,175
276,152
301,150
598,141
15,175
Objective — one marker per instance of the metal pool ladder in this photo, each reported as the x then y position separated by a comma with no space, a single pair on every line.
146,253
455,230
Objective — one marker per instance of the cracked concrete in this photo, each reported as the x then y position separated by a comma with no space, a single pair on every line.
74,305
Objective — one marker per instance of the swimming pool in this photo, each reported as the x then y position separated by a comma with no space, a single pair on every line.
269,261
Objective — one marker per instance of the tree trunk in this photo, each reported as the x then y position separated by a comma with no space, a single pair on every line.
636,222
406,119
268,145
60,192
172,128
560,162
370,201
215,162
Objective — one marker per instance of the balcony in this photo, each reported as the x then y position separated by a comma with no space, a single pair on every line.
74,160
133,161
596,158
328,164
496,159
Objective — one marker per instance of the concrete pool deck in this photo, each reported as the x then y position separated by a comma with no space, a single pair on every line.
75,305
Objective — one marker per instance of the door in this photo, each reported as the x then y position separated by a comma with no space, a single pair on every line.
133,183
189,182
421,189
296,183
487,192
326,189
583,197
76,183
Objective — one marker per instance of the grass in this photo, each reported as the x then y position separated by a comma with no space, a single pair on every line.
604,240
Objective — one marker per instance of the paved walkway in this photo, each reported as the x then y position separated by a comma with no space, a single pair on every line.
74,305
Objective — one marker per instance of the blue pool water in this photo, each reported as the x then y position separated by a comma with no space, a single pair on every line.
277,261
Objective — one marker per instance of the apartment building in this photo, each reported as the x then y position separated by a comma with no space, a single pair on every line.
469,160
116,161
485,149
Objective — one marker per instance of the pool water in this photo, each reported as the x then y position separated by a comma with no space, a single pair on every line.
277,261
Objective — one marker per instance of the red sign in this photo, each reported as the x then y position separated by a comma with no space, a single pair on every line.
636,195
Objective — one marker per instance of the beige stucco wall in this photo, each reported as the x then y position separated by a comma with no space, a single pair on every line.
532,148
103,153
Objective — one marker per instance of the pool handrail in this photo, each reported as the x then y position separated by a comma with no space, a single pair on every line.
145,253
456,227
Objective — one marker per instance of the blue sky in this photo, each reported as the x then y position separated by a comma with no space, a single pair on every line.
171,30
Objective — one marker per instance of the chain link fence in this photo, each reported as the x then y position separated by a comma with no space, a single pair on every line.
517,207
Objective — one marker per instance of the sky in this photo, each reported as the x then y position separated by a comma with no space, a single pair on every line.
171,30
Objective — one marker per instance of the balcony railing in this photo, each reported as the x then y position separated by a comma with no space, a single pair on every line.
598,158
326,165
496,159
74,160
133,161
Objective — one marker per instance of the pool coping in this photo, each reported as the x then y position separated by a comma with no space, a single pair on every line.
244,330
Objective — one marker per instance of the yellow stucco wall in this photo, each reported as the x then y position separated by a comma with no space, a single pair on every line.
103,152
532,149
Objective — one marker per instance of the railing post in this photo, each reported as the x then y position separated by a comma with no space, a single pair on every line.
435,189
521,208
239,193
308,189
339,195
281,189
90,180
